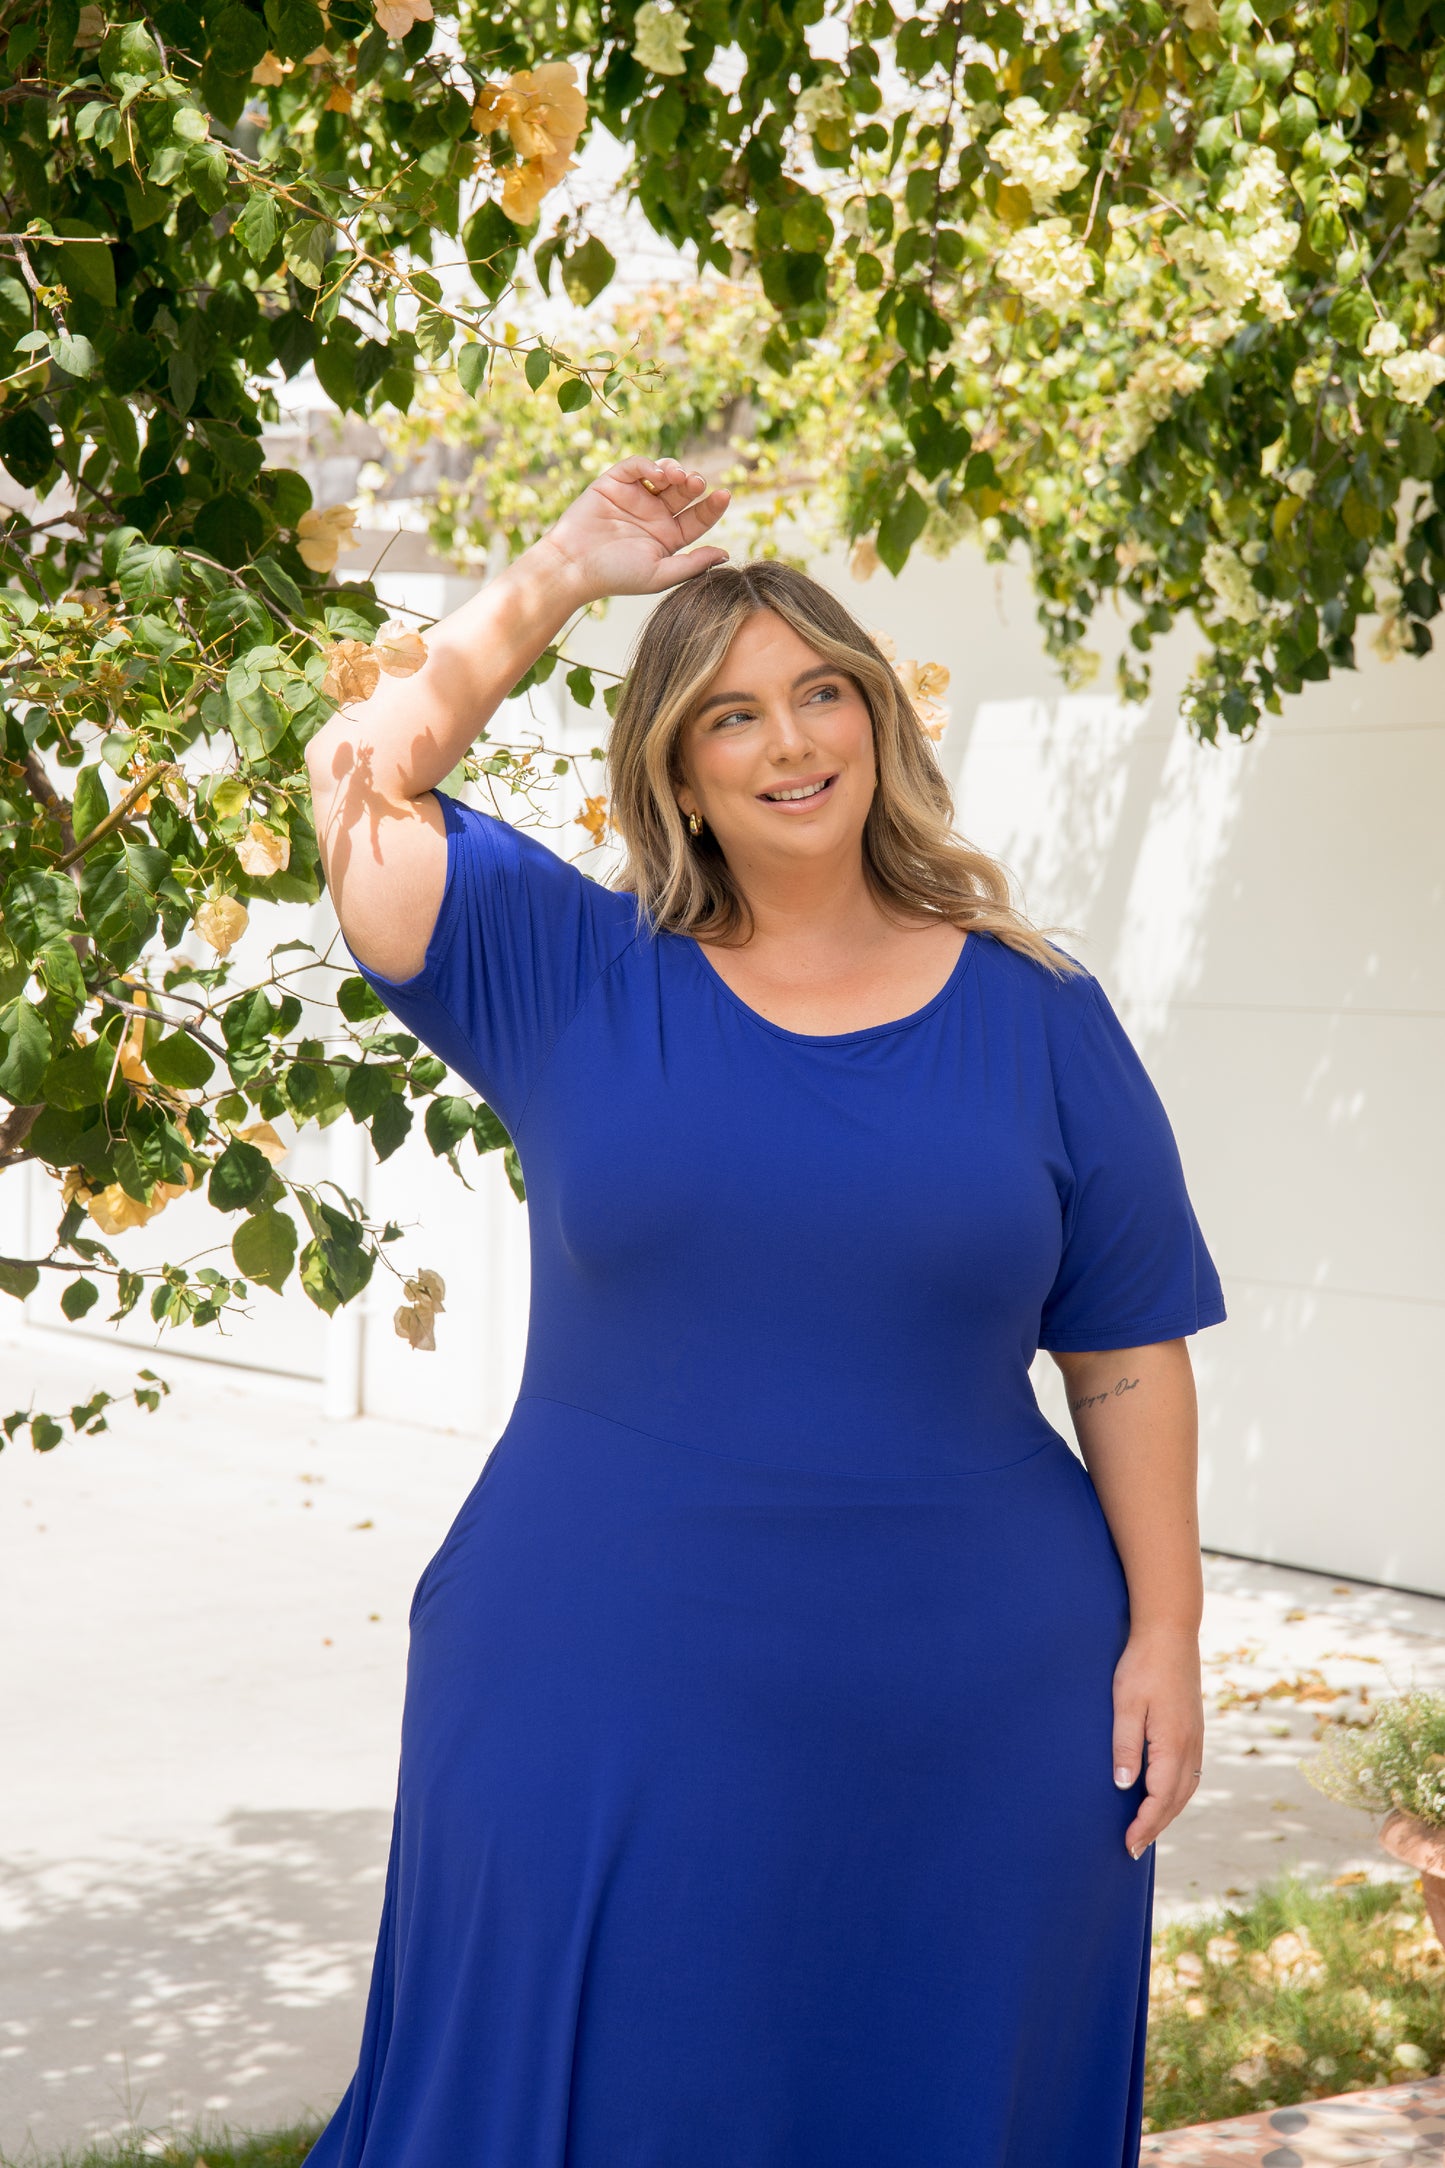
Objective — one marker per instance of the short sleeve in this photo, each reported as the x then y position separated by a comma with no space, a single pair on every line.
1135,1268
521,937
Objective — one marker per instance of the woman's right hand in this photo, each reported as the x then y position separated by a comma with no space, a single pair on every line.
619,538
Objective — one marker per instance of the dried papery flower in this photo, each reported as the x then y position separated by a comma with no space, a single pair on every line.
399,651
593,818
268,72
415,1321
220,922
321,535
353,671
90,29
863,558
542,111
266,1141
397,17
340,98
261,851
114,1211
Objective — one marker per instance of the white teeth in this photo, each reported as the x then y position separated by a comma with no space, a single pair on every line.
809,790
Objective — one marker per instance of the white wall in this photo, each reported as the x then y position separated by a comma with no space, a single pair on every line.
1269,919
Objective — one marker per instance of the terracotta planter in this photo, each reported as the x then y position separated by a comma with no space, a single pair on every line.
1422,1848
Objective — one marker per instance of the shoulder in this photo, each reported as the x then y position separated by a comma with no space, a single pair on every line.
495,847
1055,1004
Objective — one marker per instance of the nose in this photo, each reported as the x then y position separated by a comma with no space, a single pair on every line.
788,735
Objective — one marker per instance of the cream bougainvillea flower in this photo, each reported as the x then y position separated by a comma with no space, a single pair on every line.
863,560
264,1137
660,39
321,535
90,29
1414,376
340,98
115,1211
542,111
399,651
261,851
925,684
593,818
396,17
268,71
352,671
220,922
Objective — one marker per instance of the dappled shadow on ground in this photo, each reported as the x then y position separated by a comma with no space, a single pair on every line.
159,1986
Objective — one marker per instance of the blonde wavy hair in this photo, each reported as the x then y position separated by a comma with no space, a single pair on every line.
914,861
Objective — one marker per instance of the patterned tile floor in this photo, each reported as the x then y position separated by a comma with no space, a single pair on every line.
1393,2126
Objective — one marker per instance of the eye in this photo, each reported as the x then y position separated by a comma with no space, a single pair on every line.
738,715
828,692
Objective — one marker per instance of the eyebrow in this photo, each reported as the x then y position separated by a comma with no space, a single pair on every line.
750,700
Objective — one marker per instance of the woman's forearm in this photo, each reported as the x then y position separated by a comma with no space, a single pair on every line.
1136,1418
411,732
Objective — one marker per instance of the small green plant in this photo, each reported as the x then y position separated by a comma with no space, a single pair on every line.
1396,1760
1301,1993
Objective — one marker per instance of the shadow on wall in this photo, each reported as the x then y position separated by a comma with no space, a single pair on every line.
222,1983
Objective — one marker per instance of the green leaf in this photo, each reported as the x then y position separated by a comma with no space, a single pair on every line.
90,804
259,226
237,40
573,394
282,586
297,27
472,362
900,528
305,248
25,447
538,367
24,1051
78,1078
1352,317
148,572
73,353
180,1062
582,686
86,267
18,1280
390,1124
264,1248
447,1121
584,274
37,907
358,1001
238,1177
80,1296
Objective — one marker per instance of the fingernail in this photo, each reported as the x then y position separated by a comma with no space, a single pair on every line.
1121,1774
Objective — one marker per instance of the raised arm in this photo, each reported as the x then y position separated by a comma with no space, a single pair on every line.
375,764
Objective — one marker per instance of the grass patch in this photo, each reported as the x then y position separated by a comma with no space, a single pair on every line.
1301,1993
236,2149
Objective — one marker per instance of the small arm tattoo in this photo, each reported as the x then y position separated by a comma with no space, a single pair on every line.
1094,1400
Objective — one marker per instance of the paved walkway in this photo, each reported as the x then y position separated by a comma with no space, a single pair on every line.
202,1642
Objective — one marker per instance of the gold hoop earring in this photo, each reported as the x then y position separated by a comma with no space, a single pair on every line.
694,823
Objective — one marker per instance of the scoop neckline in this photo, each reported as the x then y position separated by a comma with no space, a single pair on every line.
961,965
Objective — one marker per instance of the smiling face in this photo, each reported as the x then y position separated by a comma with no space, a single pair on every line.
777,755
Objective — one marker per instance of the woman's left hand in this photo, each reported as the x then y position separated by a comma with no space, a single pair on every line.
1158,1699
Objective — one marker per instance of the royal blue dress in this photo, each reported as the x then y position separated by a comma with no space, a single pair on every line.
756,1806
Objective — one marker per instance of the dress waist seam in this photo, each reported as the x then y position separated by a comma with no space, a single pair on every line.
780,1467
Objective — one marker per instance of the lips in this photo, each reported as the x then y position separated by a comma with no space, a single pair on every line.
808,790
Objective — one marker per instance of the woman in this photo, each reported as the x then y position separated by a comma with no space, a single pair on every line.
790,1712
